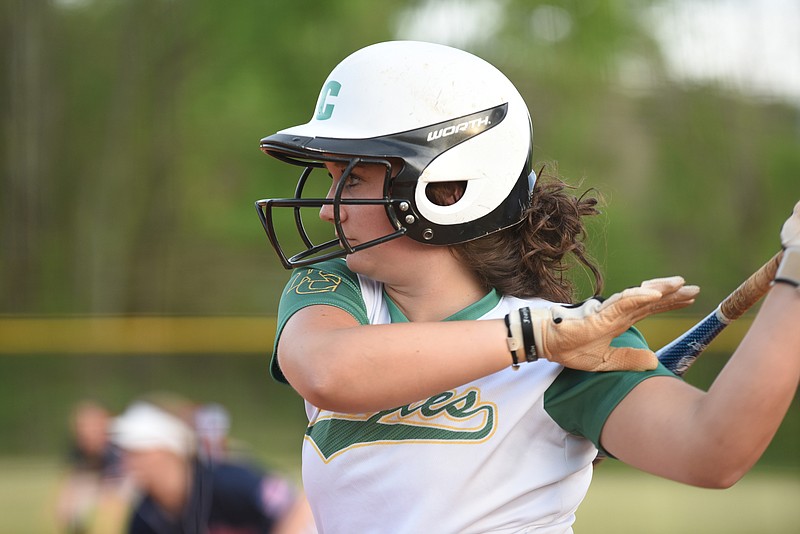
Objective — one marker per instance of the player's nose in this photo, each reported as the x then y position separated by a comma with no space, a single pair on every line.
326,212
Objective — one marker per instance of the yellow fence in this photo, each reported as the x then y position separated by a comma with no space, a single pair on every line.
159,334
136,334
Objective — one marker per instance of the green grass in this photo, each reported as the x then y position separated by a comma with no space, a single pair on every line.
27,495
620,501
623,501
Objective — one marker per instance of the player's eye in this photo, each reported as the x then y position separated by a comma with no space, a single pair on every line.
353,180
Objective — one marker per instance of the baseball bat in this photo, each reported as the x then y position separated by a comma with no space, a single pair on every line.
681,353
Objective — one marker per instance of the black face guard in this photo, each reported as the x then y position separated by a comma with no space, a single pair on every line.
338,247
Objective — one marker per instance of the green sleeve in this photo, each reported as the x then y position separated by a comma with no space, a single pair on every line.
581,401
329,283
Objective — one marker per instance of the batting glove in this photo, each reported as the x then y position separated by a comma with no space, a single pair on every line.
580,337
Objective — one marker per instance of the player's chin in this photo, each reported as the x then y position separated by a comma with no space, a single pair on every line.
362,262
354,260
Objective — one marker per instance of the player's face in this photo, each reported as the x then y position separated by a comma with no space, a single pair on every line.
364,223
91,430
147,467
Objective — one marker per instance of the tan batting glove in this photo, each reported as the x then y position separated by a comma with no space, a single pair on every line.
580,337
789,268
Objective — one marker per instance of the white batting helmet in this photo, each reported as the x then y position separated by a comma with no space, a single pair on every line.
446,114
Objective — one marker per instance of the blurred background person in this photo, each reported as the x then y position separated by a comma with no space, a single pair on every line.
183,490
212,423
92,485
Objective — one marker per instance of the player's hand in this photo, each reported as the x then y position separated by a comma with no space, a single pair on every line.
790,234
580,337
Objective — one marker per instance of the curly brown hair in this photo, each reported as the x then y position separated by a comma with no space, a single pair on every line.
532,258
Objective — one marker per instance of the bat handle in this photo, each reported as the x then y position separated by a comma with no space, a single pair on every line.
681,353
751,289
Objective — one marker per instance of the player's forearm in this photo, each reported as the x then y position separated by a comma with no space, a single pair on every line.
376,367
747,402
337,364
669,428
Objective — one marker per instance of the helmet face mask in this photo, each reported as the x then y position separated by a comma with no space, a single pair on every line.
404,119
334,247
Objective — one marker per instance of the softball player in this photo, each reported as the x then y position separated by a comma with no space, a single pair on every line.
183,491
447,390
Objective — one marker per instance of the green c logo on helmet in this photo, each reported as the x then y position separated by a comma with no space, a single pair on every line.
324,111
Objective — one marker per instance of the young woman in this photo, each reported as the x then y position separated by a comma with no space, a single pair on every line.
449,385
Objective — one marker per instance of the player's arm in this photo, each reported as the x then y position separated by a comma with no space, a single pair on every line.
338,364
669,428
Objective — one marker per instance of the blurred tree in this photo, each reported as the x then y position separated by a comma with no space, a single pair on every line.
131,153
25,119
697,178
130,159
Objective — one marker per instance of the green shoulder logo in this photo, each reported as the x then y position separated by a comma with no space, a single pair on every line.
313,281
324,109
449,417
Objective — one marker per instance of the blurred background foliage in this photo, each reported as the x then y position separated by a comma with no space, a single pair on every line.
130,142
130,164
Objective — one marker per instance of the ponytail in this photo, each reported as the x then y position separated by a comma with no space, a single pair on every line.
532,258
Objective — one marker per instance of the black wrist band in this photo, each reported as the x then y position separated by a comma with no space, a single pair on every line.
527,335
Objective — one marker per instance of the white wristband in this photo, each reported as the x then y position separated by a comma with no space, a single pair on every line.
789,269
514,339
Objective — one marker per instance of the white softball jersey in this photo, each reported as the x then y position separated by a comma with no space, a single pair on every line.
509,453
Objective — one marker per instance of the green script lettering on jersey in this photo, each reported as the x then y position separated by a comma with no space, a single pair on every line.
446,417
